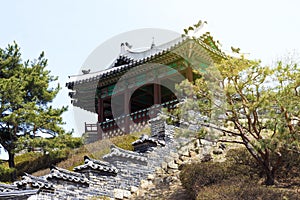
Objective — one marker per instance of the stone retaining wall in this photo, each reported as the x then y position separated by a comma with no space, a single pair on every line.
122,172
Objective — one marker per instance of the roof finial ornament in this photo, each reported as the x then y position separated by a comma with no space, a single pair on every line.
125,46
153,44
128,45
84,71
122,48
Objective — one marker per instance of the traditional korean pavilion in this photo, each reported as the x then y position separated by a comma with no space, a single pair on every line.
137,78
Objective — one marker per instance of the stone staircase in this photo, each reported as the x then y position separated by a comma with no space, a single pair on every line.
122,174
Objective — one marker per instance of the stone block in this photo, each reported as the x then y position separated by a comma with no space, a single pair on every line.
174,155
126,194
172,165
140,193
217,151
184,158
172,171
118,193
150,177
206,142
159,170
183,152
133,189
146,184
178,161
164,165
192,153
169,159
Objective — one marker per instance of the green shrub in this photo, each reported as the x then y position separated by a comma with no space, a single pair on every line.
32,162
242,163
247,190
55,150
28,156
195,176
5,172
238,178
288,170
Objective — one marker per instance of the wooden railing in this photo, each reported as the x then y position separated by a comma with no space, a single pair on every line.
90,127
136,117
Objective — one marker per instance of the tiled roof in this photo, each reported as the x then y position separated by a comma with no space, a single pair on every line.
66,175
129,155
84,86
146,143
11,191
145,55
131,59
97,165
36,182
17,194
7,187
143,139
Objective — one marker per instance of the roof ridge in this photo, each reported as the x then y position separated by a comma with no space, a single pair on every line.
116,151
97,165
61,170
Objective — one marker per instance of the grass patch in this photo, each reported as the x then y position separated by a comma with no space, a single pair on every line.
95,150
125,141
31,162
232,189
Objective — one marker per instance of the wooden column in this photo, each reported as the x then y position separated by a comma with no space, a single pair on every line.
157,94
189,74
100,110
100,117
127,110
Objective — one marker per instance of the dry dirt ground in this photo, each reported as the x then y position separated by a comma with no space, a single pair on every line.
165,187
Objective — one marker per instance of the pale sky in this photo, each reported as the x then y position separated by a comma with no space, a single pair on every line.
69,30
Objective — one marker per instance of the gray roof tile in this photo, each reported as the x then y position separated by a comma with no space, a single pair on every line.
122,153
97,165
35,182
66,175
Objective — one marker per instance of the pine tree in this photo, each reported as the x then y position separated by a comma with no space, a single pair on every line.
262,104
25,94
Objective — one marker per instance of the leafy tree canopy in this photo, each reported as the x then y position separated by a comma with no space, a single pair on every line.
262,104
26,91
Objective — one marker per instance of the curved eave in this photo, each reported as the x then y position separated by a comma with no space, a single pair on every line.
119,69
85,88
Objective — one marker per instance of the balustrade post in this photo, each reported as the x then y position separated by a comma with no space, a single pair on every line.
157,94
99,131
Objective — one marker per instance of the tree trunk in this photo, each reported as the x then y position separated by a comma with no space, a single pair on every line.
11,164
270,179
